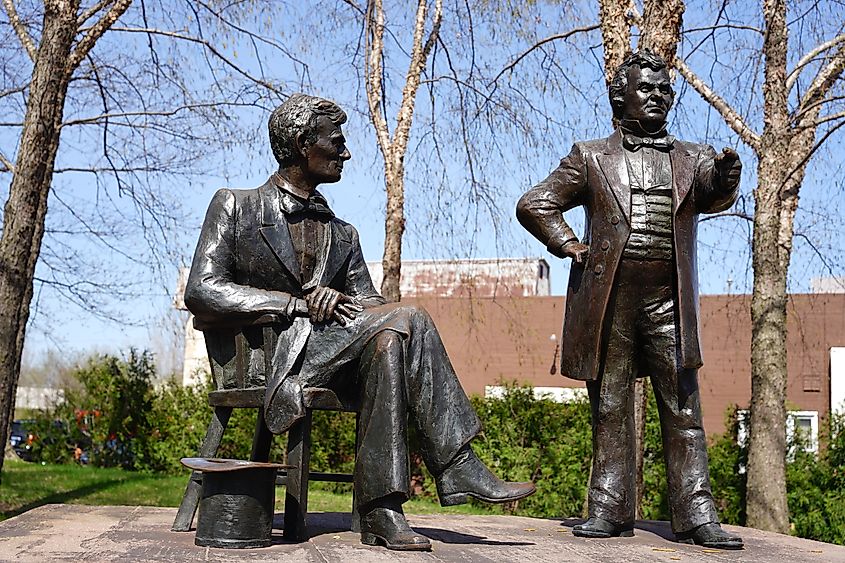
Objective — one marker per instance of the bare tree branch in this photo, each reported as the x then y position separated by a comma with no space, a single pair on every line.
355,7
97,30
540,43
732,118
737,214
15,90
211,48
828,118
7,163
252,35
375,49
96,119
419,55
20,29
724,26
92,11
825,79
814,107
806,59
798,168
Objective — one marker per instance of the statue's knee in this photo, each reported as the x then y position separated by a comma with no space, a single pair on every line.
387,341
417,315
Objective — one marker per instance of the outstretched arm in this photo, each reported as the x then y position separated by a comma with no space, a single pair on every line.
717,180
541,209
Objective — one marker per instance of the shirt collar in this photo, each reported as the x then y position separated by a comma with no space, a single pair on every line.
294,200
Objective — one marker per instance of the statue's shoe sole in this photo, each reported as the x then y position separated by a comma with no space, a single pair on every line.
734,545
461,498
596,534
369,538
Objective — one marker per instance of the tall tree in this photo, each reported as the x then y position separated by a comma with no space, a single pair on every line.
149,114
394,146
799,115
58,54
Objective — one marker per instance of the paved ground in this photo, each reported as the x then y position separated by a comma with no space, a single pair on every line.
126,533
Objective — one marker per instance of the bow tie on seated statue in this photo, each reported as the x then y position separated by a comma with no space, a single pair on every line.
280,249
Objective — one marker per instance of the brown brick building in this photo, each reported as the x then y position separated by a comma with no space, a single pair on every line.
491,340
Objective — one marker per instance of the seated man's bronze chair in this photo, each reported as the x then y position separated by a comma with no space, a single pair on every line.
230,349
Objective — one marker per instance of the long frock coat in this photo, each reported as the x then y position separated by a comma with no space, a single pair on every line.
595,176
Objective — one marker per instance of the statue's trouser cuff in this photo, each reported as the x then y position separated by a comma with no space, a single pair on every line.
402,377
641,337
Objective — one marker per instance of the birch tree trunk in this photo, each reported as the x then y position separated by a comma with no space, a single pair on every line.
23,223
766,493
393,147
787,143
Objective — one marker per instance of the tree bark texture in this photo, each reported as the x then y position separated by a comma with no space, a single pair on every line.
661,28
26,208
615,24
766,493
394,229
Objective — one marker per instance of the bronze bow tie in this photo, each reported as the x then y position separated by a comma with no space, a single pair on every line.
634,143
315,205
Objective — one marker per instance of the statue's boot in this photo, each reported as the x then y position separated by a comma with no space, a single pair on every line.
467,476
601,528
710,535
385,524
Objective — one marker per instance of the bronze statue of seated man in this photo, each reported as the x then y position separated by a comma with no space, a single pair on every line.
280,249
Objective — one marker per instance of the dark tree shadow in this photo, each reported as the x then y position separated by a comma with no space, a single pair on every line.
448,536
73,494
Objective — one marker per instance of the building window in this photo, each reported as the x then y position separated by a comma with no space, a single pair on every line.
802,429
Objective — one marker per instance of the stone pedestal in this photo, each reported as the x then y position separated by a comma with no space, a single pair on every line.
125,533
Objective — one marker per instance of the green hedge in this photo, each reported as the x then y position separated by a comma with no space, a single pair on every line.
120,418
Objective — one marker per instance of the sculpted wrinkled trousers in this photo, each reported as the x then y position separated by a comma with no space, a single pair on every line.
400,370
641,337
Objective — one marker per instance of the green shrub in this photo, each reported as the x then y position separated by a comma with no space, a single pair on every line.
816,488
727,461
541,440
106,414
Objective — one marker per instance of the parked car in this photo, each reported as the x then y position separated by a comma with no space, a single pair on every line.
22,438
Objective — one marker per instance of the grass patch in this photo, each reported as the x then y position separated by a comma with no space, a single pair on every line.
29,485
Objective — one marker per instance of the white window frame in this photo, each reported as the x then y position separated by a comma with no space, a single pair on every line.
813,445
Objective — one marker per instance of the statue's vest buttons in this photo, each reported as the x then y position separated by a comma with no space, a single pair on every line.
615,219
598,269
605,245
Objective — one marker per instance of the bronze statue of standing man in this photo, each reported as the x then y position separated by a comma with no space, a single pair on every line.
632,300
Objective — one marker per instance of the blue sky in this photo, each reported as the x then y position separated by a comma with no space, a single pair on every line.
509,164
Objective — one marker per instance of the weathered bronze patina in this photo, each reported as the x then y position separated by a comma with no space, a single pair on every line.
280,249
632,300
